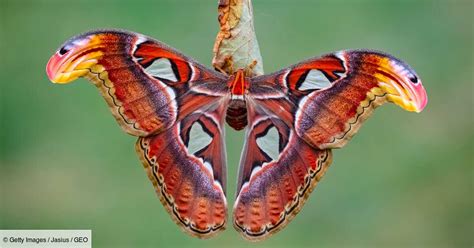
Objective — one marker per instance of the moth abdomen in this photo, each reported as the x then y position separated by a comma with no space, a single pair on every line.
236,115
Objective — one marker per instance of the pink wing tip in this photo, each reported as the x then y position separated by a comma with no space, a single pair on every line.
52,66
421,97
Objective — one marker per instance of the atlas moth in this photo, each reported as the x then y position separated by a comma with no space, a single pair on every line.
177,107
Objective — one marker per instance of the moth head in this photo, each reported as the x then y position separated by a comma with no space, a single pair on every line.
74,59
401,85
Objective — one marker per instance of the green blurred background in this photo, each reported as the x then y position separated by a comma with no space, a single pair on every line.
405,179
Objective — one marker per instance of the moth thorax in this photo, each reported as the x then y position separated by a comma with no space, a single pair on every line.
236,115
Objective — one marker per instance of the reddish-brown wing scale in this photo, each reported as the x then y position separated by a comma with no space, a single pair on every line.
312,106
330,109
191,185
273,185
160,95
177,107
121,65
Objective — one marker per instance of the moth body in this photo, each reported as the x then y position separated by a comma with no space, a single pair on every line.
236,114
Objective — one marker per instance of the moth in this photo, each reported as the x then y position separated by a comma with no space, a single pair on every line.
177,107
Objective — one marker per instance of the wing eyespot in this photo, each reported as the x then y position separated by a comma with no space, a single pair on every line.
63,50
413,79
